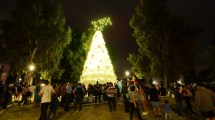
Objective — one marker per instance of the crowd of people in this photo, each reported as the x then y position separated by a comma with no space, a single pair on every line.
135,96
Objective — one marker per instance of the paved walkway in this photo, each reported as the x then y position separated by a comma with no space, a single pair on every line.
89,112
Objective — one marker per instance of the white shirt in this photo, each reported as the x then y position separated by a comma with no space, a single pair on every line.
46,92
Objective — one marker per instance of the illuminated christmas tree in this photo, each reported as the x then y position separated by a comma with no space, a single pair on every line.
98,66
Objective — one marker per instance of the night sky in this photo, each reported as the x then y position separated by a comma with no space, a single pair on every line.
80,13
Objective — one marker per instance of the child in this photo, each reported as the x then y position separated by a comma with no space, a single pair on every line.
167,110
37,98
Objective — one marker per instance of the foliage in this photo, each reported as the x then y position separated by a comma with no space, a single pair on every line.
75,55
166,44
140,65
36,33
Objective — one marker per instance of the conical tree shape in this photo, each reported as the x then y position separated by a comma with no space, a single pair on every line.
98,66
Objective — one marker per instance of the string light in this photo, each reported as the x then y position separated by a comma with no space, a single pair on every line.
101,23
98,65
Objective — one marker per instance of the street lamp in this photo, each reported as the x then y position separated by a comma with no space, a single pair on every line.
127,73
31,67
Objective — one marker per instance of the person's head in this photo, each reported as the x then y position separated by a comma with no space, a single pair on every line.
46,82
110,85
97,82
187,90
166,101
79,84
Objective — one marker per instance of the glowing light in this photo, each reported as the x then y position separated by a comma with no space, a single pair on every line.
127,73
31,67
101,23
42,84
98,66
154,82
179,82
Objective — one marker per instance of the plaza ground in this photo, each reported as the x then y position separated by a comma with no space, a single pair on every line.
89,112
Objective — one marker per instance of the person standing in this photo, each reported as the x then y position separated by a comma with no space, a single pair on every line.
98,92
204,99
63,94
79,93
24,95
90,90
32,89
104,94
155,100
19,91
187,98
46,94
111,92
54,103
179,100
142,99
167,110
37,98
118,94
69,96
124,93
6,97
133,103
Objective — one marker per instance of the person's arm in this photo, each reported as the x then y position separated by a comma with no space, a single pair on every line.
133,99
100,88
107,90
74,91
53,91
41,92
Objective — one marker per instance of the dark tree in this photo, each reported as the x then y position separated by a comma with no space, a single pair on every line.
166,44
75,54
36,33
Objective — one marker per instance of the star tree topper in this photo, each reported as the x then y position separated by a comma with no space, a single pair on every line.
101,23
